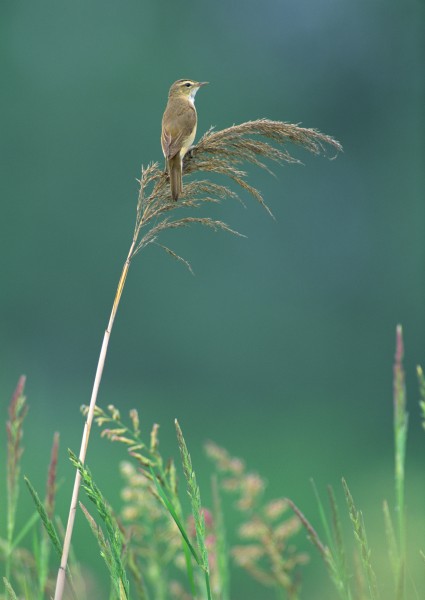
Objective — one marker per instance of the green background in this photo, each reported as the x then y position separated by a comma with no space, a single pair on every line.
281,346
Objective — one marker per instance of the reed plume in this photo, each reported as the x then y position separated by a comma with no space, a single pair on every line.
222,152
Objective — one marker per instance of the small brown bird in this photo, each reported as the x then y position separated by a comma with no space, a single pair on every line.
179,129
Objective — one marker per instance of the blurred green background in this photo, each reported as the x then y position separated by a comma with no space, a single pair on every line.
281,347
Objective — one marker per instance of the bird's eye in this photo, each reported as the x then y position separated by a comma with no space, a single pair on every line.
188,84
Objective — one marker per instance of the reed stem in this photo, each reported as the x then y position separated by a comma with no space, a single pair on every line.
60,581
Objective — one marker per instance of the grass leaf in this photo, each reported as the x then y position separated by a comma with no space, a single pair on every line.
47,522
195,497
340,558
18,410
10,593
113,533
169,506
400,435
222,557
324,519
421,382
325,552
391,542
361,539
105,549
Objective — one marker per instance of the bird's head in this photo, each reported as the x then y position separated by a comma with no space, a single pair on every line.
185,88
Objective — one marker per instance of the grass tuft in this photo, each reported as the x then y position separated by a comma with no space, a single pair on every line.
151,538
363,579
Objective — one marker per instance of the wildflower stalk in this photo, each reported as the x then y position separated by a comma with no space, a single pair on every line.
221,152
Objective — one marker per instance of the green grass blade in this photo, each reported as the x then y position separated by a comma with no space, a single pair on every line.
141,591
105,550
341,559
400,432
48,524
195,497
400,437
117,571
40,567
189,568
324,551
324,519
18,410
188,548
361,539
421,382
25,530
10,593
391,542
221,543
169,506
208,585
168,479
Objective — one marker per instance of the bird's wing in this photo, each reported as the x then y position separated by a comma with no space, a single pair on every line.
171,145
176,129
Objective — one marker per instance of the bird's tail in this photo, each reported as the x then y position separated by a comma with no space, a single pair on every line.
175,174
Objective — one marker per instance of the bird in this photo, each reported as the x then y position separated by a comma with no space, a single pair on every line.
179,129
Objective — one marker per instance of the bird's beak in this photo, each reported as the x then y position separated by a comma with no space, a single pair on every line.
201,83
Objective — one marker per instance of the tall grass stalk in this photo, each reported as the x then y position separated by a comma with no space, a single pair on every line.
17,412
222,152
336,574
197,512
112,544
335,556
359,531
222,549
400,435
340,553
45,518
393,554
10,592
421,382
